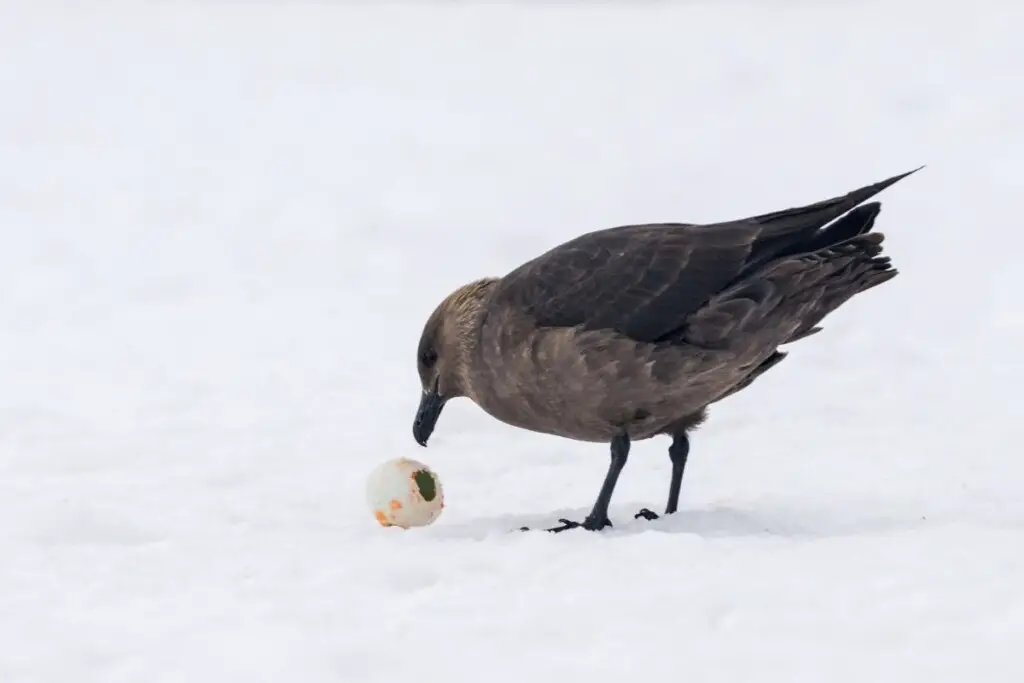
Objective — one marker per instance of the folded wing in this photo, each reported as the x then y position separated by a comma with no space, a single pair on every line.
644,281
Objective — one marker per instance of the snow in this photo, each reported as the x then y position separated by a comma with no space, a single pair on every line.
224,224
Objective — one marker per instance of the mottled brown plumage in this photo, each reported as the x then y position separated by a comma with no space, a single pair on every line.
632,332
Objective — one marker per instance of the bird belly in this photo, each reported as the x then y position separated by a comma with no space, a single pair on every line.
591,386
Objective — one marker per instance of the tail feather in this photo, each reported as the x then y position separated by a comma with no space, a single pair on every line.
861,270
801,289
857,222
803,229
812,217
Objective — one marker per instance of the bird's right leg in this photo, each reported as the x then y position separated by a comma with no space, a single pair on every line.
677,452
598,517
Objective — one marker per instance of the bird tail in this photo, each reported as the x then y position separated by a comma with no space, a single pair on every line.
814,216
803,229
835,274
800,289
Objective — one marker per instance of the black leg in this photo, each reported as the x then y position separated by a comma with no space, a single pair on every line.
678,451
598,517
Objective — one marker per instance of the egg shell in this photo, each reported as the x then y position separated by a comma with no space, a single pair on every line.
405,493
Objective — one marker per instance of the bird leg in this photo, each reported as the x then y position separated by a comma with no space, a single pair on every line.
598,517
678,451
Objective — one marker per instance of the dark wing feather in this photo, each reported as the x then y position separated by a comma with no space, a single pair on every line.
644,281
641,281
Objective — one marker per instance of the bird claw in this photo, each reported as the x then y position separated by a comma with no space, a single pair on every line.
592,525
589,524
566,525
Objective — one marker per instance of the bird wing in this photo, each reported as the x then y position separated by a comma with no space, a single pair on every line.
644,281
641,281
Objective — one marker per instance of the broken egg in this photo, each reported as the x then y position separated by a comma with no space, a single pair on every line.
405,493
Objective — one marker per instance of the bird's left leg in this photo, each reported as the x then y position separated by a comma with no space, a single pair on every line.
598,517
677,452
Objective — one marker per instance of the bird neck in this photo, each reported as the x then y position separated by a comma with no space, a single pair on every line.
470,323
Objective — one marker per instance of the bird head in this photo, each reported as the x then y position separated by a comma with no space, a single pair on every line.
443,353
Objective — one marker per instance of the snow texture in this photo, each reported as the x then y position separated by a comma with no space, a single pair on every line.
223,225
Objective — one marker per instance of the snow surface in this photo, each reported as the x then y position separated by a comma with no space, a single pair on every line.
224,224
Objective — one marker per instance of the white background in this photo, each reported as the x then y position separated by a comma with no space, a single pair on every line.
222,226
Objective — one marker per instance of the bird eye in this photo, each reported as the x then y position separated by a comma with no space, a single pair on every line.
428,358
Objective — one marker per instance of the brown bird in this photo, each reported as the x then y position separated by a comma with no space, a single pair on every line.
631,332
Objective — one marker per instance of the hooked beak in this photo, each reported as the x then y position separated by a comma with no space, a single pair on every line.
426,415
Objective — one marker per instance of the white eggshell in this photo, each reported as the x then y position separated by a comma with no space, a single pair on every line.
404,493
